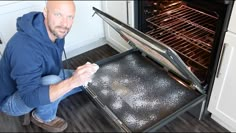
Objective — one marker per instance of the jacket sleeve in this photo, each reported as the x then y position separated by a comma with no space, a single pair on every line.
27,71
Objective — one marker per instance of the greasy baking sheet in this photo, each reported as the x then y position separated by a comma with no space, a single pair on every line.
138,92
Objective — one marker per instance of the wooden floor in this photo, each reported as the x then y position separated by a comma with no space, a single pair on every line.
83,116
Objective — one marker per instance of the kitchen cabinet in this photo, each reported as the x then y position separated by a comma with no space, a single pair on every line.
123,11
232,26
223,96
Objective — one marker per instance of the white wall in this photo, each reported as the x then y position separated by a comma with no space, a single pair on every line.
86,33
9,11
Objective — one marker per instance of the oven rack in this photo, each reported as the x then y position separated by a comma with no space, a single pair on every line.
188,23
188,31
182,47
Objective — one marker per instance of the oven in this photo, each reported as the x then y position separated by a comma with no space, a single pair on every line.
194,29
170,69
146,87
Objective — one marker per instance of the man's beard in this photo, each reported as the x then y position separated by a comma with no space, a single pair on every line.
56,34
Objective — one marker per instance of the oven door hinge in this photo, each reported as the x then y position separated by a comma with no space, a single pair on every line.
128,41
195,87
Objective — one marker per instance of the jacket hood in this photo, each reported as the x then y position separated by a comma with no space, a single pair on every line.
33,25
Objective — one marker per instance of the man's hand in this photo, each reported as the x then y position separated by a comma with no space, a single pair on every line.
83,74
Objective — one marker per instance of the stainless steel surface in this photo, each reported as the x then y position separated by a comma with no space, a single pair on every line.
220,61
127,12
188,31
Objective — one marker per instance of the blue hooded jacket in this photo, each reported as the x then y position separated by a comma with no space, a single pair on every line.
28,56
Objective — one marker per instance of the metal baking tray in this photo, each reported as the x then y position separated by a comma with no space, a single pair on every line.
144,88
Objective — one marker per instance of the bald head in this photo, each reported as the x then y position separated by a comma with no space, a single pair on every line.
59,16
65,5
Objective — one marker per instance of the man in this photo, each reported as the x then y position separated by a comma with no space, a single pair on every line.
31,76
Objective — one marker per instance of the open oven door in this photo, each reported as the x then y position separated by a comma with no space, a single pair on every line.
144,88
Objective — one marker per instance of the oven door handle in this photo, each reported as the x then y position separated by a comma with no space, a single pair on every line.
127,11
220,61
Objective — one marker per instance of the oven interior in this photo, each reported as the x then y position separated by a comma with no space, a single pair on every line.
192,28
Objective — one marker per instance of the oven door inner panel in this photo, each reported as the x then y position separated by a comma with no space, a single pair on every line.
138,94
